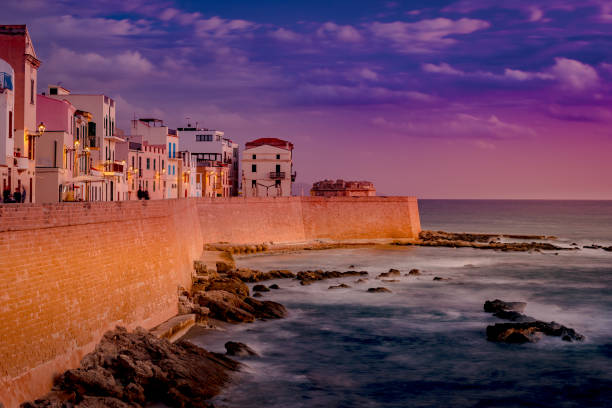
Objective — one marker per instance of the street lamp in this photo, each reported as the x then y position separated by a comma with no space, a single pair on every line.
41,129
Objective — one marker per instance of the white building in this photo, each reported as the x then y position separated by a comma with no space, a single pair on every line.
208,145
101,140
267,168
7,110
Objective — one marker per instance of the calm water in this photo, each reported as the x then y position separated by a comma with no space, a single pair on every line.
424,344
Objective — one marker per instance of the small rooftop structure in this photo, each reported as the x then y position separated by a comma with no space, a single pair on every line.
341,188
270,141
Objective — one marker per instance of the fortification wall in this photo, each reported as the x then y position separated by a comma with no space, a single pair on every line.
70,272
240,220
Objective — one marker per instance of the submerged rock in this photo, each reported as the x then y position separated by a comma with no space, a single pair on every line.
239,349
274,286
361,280
392,272
494,306
251,275
137,369
257,295
308,277
525,332
438,278
229,307
379,290
341,286
260,288
414,272
513,316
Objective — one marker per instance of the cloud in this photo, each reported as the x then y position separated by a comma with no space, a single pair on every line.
574,74
218,27
342,33
425,35
335,94
526,76
367,73
535,14
488,128
282,34
442,68
67,26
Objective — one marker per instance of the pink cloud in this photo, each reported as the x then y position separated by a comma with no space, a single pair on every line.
442,68
343,33
574,74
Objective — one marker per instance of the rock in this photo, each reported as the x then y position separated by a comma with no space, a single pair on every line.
274,286
390,280
341,286
414,272
497,305
231,285
257,295
223,267
249,275
260,288
137,369
225,306
392,272
361,280
513,316
239,349
378,290
524,332
311,276
438,278
267,309
351,266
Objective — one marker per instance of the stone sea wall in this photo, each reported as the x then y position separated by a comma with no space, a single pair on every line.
70,272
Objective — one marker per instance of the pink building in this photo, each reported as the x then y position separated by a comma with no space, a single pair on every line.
146,167
18,172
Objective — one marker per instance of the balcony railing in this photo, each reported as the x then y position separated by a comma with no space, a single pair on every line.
113,167
6,82
277,175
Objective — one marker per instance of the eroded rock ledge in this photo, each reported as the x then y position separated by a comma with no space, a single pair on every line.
484,241
136,369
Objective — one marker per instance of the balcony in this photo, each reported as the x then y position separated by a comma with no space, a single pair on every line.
293,176
113,167
277,175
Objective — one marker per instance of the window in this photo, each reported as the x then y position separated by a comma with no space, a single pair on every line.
163,165
254,156
52,91
277,183
253,168
32,91
169,150
132,162
148,163
253,183
140,165
10,124
154,164
203,138
278,157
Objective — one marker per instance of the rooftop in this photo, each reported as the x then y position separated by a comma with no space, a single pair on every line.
270,141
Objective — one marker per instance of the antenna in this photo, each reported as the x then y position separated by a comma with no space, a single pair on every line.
188,121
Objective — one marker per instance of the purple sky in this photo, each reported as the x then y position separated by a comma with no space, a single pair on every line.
448,99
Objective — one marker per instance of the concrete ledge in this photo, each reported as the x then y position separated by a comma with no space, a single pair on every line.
175,328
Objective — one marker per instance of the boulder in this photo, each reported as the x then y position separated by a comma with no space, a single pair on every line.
361,280
494,306
231,285
138,369
239,349
438,278
523,332
257,295
225,306
260,288
266,309
513,316
274,286
414,272
378,290
311,276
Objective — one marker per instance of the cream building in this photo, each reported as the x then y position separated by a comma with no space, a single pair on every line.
267,168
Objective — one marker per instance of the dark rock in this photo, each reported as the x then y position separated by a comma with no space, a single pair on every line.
250,275
260,288
231,285
341,286
392,272
530,332
494,306
266,309
351,266
138,369
239,349
438,278
257,295
414,272
307,277
274,286
361,280
378,290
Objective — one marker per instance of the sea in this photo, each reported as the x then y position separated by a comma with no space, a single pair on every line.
424,344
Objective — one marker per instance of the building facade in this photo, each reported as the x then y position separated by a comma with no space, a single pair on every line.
18,164
341,188
208,146
267,168
101,142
